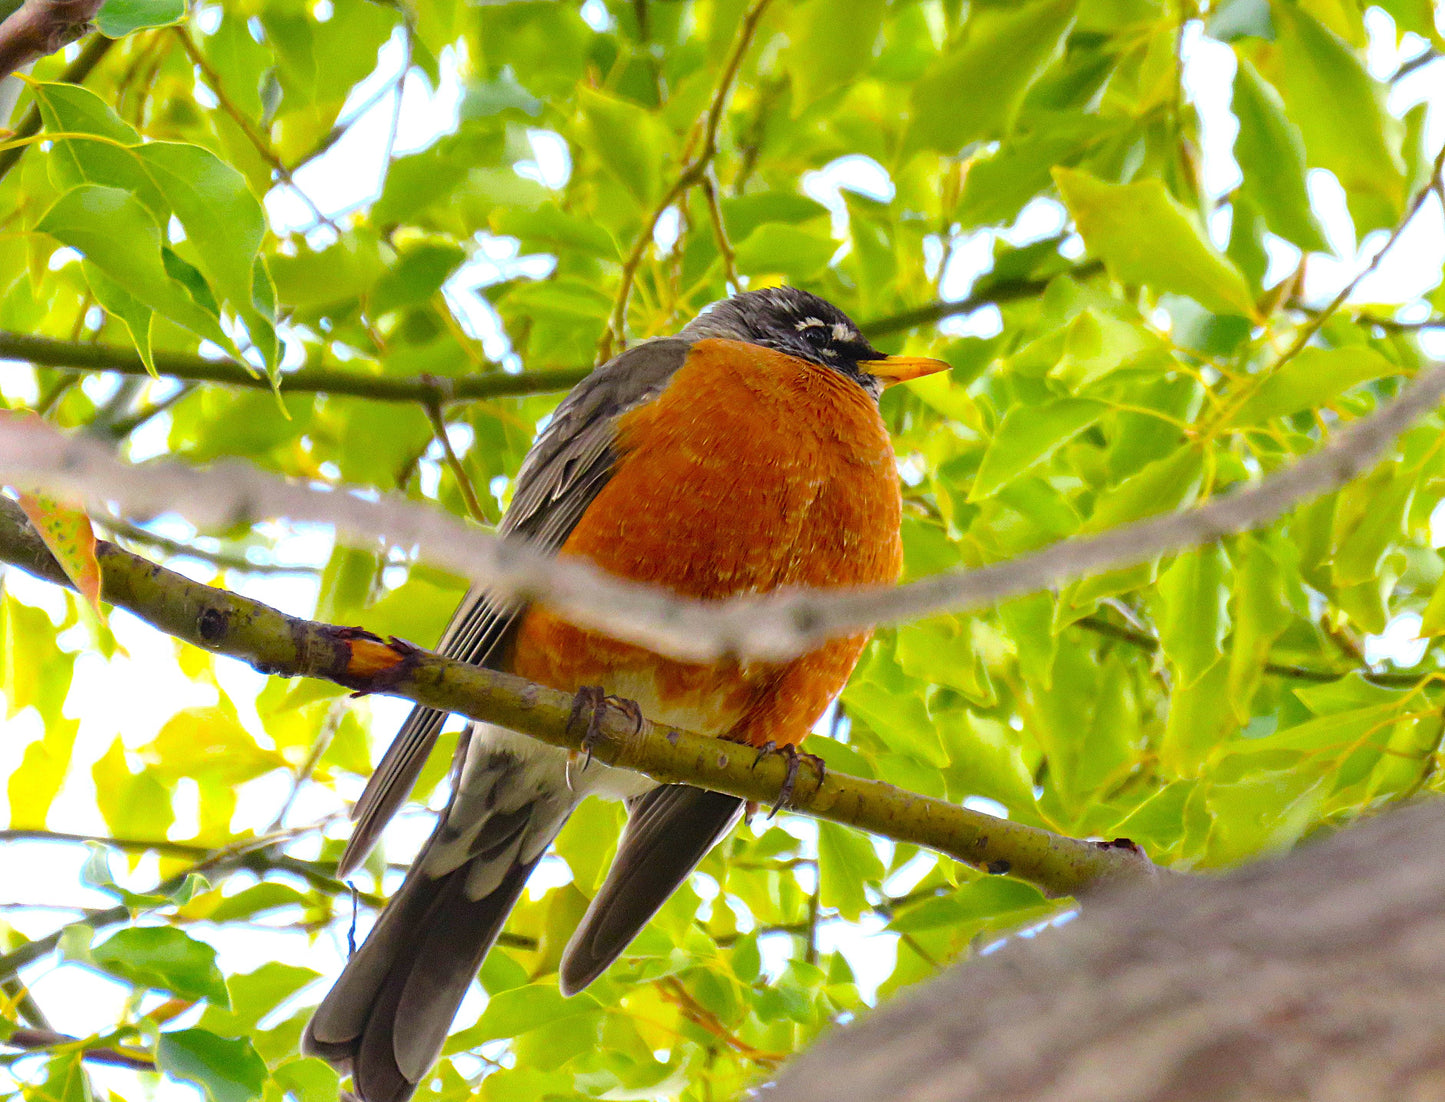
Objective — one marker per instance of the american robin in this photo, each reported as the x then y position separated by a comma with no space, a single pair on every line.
743,455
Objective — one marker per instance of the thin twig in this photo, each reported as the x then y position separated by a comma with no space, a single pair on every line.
47,1040
991,293
494,383
248,128
134,533
1318,318
692,172
1423,58
1146,642
225,860
454,463
709,189
40,27
672,990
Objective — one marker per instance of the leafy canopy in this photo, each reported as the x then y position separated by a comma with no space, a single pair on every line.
243,182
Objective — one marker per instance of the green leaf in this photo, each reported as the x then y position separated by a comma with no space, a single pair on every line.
118,18
1144,236
828,52
1312,380
1340,110
549,228
1162,487
988,759
34,671
1271,154
631,142
742,214
109,159
847,863
36,783
1027,436
308,1079
163,958
223,221
1192,618
65,1081
522,1009
1370,519
258,898
1096,344
344,270
118,302
975,89
989,901
1432,620
776,248
227,1070
133,805
1200,718
1000,183
1266,591
117,234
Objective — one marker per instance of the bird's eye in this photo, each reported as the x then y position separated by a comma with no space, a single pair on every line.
816,335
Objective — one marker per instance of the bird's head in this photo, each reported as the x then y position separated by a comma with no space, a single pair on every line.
807,327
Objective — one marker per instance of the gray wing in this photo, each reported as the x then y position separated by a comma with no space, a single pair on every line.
565,470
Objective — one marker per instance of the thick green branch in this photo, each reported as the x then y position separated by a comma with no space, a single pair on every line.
273,642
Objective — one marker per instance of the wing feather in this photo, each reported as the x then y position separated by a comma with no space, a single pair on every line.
563,472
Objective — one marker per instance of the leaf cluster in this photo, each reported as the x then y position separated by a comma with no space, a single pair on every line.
1139,338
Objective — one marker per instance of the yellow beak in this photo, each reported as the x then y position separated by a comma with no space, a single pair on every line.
899,369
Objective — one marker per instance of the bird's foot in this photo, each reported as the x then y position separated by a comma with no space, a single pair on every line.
790,780
589,706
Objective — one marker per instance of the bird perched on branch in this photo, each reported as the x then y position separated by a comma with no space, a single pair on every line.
743,455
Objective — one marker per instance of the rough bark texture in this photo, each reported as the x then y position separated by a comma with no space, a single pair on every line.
1316,978
40,27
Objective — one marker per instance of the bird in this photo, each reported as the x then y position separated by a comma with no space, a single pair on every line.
745,454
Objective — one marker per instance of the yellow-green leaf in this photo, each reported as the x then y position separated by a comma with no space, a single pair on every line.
67,533
1143,235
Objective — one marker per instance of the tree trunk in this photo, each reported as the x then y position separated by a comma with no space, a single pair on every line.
1319,977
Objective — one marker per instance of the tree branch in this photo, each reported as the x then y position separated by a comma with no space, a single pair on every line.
40,1040
272,642
34,456
244,854
319,874
1402,679
1309,978
431,389
40,27
75,356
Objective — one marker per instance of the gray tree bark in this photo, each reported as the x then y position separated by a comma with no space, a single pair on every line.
1318,977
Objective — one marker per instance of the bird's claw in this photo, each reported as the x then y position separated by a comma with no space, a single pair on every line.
790,779
591,703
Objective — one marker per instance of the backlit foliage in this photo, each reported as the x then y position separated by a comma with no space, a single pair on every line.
1148,324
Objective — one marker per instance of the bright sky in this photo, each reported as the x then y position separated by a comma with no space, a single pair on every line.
134,693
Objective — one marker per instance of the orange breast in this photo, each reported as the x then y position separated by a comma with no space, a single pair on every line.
752,471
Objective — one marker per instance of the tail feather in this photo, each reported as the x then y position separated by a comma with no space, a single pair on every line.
669,830
387,1016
